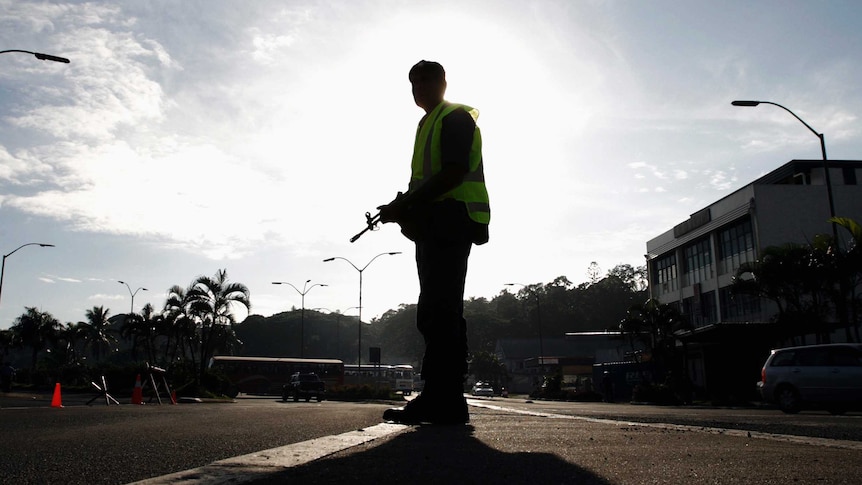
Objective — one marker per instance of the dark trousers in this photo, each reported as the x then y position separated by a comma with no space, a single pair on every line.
442,268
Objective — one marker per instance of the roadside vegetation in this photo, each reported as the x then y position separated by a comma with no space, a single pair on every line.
815,286
194,322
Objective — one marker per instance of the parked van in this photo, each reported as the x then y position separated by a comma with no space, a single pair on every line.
815,376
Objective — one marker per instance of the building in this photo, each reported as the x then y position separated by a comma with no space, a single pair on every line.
574,357
692,264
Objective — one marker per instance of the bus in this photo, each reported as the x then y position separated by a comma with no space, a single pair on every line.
266,375
398,378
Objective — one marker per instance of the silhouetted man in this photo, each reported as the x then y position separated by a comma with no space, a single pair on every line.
444,211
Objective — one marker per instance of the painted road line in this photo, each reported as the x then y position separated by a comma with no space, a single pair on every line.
260,464
802,440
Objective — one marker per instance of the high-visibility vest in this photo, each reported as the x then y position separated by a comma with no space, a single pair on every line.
427,157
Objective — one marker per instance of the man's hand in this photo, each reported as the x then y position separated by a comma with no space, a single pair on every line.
393,211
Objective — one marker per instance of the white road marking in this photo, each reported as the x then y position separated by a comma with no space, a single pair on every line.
260,464
804,440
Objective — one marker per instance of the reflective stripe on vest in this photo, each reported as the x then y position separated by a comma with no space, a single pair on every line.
427,162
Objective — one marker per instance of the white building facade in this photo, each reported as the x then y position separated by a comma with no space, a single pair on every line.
692,264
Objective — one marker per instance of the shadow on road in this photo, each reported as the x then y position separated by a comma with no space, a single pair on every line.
436,454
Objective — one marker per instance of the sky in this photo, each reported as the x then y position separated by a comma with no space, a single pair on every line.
253,136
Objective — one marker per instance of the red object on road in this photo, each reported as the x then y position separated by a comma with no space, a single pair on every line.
138,392
57,400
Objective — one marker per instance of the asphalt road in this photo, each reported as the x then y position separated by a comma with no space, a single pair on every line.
819,424
506,445
509,440
102,444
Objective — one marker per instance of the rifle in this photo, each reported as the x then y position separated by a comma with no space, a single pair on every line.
371,225
407,227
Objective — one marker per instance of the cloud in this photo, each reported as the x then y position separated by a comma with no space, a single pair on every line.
23,168
107,88
267,46
720,180
198,195
216,166
68,280
54,279
102,296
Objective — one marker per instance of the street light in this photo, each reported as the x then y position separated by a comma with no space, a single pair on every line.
338,315
302,315
822,151
40,56
3,267
359,344
538,319
132,306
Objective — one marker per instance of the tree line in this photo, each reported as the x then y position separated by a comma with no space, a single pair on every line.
815,287
195,322
550,309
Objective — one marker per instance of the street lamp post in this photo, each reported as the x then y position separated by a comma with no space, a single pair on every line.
305,289
359,332
132,306
338,315
338,331
3,267
40,56
822,151
538,320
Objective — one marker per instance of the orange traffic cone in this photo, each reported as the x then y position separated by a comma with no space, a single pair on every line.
173,397
57,400
138,392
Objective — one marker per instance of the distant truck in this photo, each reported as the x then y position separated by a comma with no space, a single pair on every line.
304,385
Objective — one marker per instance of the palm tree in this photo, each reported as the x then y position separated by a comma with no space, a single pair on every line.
130,330
182,325
148,331
71,336
807,282
849,266
98,332
212,300
164,332
655,325
35,329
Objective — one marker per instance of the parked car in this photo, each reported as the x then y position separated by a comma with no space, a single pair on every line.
825,376
482,389
304,386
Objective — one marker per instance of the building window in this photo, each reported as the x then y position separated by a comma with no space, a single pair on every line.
698,262
849,175
738,308
666,273
736,246
701,309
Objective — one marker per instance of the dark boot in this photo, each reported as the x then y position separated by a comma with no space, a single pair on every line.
435,405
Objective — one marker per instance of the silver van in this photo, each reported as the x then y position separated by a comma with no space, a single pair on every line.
825,376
